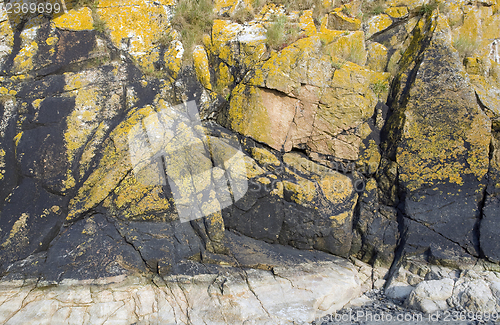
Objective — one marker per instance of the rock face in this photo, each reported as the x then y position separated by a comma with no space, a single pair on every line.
443,160
308,284
195,184
431,288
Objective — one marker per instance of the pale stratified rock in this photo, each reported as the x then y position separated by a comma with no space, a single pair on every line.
430,296
218,295
433,288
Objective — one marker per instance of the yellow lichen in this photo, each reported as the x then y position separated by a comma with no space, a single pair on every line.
264,180
7,34
52,40
302,192
224,78
173,58
114,165
491,27
278,190
371,157
341,18
339,219
17,231
139,23
378,24
377,57
215,222
336,187
307,23
82,121
134,199
349,47
80,19
23,62
200,60
397,12
433,154
2,163
264,157
17,138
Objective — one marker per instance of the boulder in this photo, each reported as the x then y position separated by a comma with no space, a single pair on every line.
441,160
308,284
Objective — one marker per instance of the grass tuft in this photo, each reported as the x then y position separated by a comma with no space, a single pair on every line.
152,72
356,53
92,4
370,8
242,15
319,9
99,25
164,39
465,45
338,64
379,87
193,19
346,11
429,7
282,33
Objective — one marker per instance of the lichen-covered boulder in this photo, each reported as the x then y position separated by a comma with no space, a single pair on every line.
441,146
299,98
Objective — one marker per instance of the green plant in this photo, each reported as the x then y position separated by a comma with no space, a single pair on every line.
281,33
101,60
164,39
465,44
356,53
193,19
338,64
429,7
370,8
152,72
378,10
99,25
242,15
276,31
318,6
379,87
346,11
92,4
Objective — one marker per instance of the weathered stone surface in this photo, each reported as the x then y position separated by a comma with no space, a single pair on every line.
308,284
442,160
297,202
377,24
432,288
376,227
316,117
430,296
315,156
490,212
90,249
343,19
487,231
29,229
162,245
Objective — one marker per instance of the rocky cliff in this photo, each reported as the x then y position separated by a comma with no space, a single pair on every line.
198,162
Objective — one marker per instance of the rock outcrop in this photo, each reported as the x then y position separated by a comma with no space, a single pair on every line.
270,171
